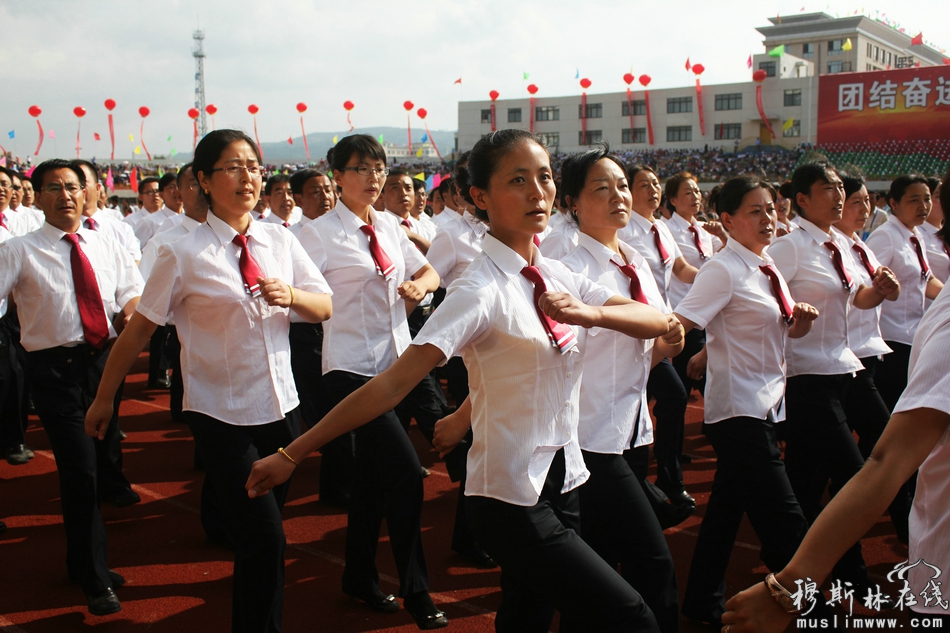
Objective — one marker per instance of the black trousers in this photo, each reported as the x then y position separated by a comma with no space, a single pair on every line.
864,407
670,413
891,375
750,479
546,566
157,361
456,378
820,446
64,381
173,354
228,451
618,522
13,399
694,343
387,484
306,358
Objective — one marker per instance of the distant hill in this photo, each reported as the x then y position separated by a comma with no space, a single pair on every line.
320,142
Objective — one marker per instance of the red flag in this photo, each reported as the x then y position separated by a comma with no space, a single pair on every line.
946,61
457,81
96,136
917,40
748,62
290,140
688,65
134,180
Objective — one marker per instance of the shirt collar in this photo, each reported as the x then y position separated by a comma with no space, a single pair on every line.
190,224
641,221
452,213
680,222
225,232
54,234
399,218
474,223
906,232
751,259
603,255
928,229
508,261
816,234
351,223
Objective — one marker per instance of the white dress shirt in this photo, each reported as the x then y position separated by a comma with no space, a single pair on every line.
937,253
235,350
524,392
295,214
864,326
183,227
639,235
4,236
427,226
807,267
455,245
928,387
745,335
37,268
683,236
299,226
440,219
120,232
891,243
614,390
368,331
416,226
19,222
562,239
110,212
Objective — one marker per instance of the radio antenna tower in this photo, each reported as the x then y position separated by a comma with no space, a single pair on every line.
199,54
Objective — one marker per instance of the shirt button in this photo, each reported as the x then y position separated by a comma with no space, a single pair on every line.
567,404
569,374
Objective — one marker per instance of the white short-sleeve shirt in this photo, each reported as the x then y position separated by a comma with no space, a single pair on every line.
807,266
683,236
368,331
614,390
639,235
561,240
235,356
524,392
745,335
938,254
457,242
120,232
864,326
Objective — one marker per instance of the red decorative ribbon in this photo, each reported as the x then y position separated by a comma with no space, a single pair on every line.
758,103
432,140
78,129
584,118
302,131
257,138
142,139
630,110
699,102
531,117
40,144
493,127
194,143
646,97
348,122
112,137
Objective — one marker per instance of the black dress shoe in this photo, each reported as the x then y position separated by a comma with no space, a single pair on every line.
377,600
424,612
425,472
670,515
679,496
17,455
3,526
123,498
479,556
103,603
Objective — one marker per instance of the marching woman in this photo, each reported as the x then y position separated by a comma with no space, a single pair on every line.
365,257
813,262
511,316
654,241
938,253
616,517
231,284
745,305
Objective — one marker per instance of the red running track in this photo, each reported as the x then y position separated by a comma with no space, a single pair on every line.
177,582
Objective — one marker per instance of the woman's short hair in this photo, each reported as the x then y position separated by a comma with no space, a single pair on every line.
210,148
574,171
734,191
363,145
485,158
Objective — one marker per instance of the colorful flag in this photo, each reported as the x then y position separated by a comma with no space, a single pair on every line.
381,140
131,138
420,176
457,81
51,134
425,137
917,40
436,180
429,186
138,149
788,125
110,181
577,75
419,152
96,136
11,134
174,152
290,140
169,138
525,75
748,62
688,65
134,180
335,139
847,46
778,51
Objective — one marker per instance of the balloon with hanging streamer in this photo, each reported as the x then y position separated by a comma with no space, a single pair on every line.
698,70
110,106
645,81
193,114
585,84
628,79
532,90
493,95
253,109
144,112
758,77
80,112
35,112
408,105
301,108
211,109
348,106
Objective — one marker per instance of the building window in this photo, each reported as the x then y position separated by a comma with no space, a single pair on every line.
547,113
636,135
593,136
486,116
877,53
679,104
869,48
679,133
514,115
839,67
639,108
793,97
834,47
550,139
594,111
808,50
890,58
770,68
728,131
794,130
731,101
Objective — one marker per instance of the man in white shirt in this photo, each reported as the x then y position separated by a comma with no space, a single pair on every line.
150,201
315,195
399,198
418,210
18,223
280,199
68,282
95,219
168,189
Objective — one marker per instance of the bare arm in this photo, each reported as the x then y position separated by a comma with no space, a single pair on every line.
311,306
451,429
934,286
424,281
804,316
883,286
619,314
684,271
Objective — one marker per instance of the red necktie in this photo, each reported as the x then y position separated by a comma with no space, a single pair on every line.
3,221
636,290
924,268
286,225
661,249
843,275
406,224
384,265
536,240
784,303
863,256
95,326
561,336
698,242
91,224
250,271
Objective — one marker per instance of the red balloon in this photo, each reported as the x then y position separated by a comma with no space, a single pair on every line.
493,94
585,83
35,111
645,80
253,109
144,111
408,105
348,105
110,104
193,113
759,76
79,111
422,113
301,107
628,78
698,69
211,109
532,89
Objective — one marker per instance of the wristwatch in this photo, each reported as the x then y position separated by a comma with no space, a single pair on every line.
781,595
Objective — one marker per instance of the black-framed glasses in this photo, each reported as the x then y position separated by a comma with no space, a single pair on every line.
71,188
363,170
254,171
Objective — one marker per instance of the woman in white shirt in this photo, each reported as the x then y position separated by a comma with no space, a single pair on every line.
616,517
373,270
231,285
507,316
748,312
938,253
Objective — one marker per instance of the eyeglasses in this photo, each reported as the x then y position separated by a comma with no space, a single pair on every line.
254,171
150,192
70,188
17,188
363,170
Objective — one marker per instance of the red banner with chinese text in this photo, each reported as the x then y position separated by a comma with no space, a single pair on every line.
889,105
